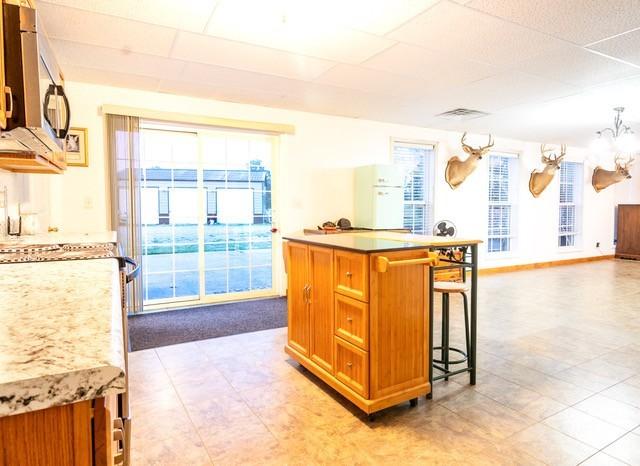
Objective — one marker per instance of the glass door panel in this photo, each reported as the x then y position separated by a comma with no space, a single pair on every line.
169,211
206,204
237,177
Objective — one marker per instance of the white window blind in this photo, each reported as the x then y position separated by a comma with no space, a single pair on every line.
571,181
418,162
502,198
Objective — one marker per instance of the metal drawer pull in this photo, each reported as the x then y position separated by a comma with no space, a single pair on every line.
349,319
349,274
349,365
383,263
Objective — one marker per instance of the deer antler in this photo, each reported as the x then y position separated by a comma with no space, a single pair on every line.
462,141
554,156
488,146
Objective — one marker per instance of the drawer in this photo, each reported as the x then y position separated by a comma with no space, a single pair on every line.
351,275
352,321
352,366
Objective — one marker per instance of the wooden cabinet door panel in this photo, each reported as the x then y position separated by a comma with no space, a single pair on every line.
321,306
352,321
352,274
628,238
399,323
352,367
297,306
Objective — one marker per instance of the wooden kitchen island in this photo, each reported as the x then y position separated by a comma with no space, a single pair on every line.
359,312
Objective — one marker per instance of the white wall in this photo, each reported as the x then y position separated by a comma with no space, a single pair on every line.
315,179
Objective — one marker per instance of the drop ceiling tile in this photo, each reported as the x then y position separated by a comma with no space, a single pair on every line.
188,15
106,59
504,90
71,24
238,55
577,21
373,16
438,70
239,79
371,81
625,47
290,26
462,32
577,66
110,78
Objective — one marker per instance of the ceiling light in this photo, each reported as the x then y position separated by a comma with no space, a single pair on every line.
619,139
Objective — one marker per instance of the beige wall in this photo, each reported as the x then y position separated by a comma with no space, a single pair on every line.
315,181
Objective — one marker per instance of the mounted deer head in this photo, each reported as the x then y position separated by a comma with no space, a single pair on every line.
602,178
458,170
540,179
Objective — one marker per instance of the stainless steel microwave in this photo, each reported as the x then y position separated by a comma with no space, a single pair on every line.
38,109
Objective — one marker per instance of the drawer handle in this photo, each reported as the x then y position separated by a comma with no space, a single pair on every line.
349,274
349,365
349,319
383,263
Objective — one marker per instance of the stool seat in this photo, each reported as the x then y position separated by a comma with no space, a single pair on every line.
450,287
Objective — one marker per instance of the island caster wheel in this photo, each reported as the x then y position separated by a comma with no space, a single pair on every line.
413,402
430,396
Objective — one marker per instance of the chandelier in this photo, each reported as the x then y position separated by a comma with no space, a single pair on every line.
619,140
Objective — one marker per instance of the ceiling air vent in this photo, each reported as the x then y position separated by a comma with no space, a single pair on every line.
462,114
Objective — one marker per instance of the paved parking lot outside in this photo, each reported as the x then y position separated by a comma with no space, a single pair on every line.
237,258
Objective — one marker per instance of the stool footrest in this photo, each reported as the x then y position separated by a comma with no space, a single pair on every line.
455,361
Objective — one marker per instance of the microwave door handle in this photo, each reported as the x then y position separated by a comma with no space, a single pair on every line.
62,133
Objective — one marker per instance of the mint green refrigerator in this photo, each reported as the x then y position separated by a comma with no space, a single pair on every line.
379,197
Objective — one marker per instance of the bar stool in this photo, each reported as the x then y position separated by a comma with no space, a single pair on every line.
447,288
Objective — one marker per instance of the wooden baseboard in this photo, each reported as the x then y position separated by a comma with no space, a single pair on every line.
542,265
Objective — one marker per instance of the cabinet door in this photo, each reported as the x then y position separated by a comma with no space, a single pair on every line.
321,306
352,274
298,308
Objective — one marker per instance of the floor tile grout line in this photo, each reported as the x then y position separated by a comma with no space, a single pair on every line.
186,411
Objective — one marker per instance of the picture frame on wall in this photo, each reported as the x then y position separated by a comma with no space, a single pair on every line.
76,148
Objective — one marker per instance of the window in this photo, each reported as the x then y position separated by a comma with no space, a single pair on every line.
570,200
418,161
502,197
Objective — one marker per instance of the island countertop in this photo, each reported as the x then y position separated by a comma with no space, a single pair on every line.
379,241
61,333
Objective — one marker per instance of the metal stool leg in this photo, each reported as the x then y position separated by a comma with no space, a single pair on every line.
466,327
445,344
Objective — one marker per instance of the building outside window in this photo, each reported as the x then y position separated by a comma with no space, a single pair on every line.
418,160
569,219
502,202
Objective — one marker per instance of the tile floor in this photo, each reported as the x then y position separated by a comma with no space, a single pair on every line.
558,383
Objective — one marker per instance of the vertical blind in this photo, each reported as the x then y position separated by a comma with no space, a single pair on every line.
502,181
570,200
124,158
418,162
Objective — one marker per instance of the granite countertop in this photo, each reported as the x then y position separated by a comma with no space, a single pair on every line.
61,333
379,241
61,238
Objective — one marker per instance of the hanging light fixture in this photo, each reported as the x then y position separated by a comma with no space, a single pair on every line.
621,139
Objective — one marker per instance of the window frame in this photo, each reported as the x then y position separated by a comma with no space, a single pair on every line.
432,189
513,180
578,205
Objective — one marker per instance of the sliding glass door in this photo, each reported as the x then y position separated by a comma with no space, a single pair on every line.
206,204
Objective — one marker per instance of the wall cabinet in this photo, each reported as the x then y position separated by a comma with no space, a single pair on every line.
364,331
